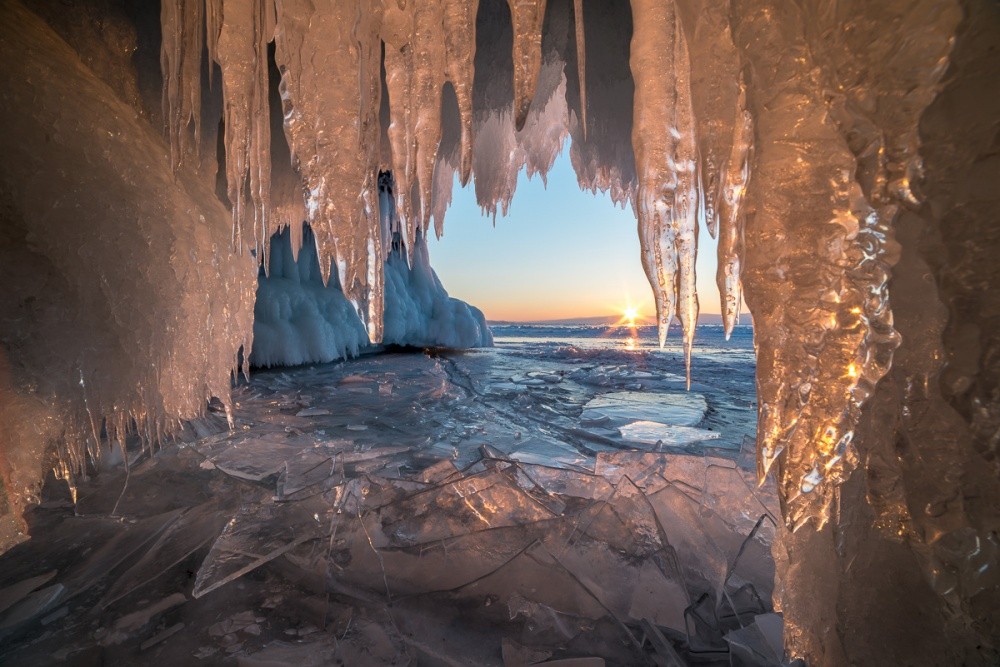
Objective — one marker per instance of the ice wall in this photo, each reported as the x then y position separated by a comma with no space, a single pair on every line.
299,320
124,306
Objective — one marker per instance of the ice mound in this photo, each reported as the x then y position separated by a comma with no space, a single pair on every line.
298,320
418,310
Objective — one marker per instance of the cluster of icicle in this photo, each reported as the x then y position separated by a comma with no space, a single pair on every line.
693,113
692,166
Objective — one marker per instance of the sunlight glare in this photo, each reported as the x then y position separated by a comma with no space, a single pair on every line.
631,313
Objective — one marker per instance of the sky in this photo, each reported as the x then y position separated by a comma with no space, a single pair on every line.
560,253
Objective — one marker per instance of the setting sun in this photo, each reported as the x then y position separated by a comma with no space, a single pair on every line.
631,313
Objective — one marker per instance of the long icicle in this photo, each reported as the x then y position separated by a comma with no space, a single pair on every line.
731,216
527,17
666,159
581,61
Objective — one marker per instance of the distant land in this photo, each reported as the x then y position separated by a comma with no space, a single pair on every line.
609,320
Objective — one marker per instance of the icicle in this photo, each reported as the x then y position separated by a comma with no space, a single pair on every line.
527,17
247,26
827,106
581,61
427,45
180,61
687,199
715,78
731,216
397,33
429,64
332,125
460,35
666,161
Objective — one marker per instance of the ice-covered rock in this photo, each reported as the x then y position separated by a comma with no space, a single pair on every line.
299,320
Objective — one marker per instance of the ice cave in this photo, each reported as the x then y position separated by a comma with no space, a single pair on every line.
243,421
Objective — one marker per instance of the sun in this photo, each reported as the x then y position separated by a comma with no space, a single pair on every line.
631,312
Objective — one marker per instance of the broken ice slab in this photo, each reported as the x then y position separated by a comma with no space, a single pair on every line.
544,451
728,494
625,521
127,625
197,527
259,533
658,598
749,582
611,574
255,459
444,565
568,482
681,409
308,468
437,473
758,644
312,412
702,541
657,434
489,499
32,606
14,593
517,655
650,470
161,636
117,550
285,654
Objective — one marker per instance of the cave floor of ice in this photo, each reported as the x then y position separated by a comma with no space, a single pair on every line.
486,507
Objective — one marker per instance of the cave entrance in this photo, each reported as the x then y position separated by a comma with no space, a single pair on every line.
564,474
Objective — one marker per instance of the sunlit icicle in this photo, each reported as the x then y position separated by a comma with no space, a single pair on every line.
247,27
397,33
581,61
430,62
331,118
666,161
181,23
527,16
731,216
687,199
715,75
460,42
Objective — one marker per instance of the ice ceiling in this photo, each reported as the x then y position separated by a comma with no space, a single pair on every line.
809,136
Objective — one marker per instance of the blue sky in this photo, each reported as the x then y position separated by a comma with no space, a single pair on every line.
561,252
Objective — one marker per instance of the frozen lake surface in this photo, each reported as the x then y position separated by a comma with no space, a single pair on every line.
556,496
